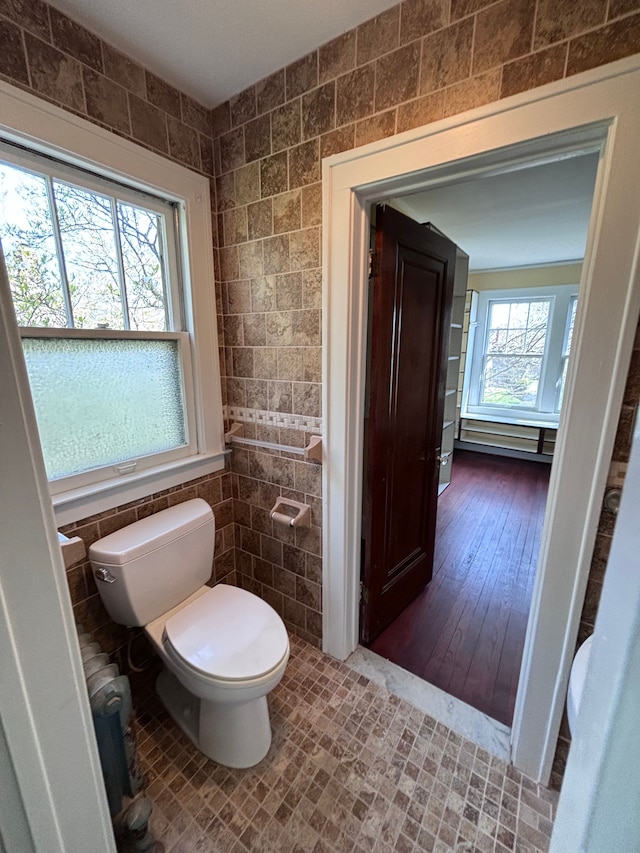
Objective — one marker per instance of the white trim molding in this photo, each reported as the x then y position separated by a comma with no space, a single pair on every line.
598,110
598,808
49,763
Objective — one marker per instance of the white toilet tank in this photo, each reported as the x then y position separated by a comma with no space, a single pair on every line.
146,568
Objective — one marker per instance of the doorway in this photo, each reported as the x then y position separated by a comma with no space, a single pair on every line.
574,112
525,231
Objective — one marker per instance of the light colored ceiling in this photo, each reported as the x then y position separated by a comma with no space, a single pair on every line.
212,49
534,215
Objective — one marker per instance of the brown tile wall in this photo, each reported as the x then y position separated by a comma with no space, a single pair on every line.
42,50
51,56
281,564
415,63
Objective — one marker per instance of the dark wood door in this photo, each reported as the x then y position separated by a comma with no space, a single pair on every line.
408,343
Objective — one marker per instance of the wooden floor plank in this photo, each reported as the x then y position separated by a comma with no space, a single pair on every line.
465,632
509,593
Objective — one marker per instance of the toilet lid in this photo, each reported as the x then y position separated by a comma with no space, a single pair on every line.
228,633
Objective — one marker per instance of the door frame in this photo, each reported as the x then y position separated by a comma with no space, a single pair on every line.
596,107
54,796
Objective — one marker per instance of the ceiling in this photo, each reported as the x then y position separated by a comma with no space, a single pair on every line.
212,49
537,214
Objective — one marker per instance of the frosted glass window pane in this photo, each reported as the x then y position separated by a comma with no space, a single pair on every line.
102,402
142,262
26,233
90,257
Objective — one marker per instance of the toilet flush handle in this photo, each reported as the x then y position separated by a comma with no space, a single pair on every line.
103,574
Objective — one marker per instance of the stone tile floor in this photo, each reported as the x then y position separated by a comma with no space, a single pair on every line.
351,767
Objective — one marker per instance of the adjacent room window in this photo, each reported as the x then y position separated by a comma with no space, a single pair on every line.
94,276
519,354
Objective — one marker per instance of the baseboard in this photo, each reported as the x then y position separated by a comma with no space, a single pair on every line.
501,451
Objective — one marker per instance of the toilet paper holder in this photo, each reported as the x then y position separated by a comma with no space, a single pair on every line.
301,518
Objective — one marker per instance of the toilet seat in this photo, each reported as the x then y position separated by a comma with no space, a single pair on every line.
227,634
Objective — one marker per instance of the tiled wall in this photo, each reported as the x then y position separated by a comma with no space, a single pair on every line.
51,56
620,459
272,319
281,564
416,63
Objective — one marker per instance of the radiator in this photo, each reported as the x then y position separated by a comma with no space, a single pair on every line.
111,709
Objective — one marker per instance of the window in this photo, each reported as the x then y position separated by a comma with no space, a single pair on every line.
83,253
108,252
519,353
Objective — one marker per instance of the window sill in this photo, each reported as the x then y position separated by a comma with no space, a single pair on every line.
77,504
529,420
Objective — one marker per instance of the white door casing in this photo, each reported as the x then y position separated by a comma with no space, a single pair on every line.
598,808
53,798
599,108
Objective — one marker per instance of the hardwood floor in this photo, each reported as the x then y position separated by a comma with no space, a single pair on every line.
465,632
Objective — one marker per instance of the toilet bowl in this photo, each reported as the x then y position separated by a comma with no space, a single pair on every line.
577,680
229,649
223,648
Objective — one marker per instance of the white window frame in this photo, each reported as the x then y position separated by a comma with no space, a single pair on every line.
544,412
44,128
565,354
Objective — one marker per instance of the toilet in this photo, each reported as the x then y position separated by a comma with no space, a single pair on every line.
223,648
577,680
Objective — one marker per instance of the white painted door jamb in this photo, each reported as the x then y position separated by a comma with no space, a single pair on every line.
55,800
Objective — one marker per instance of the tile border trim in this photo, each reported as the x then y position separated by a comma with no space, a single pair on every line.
284,420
